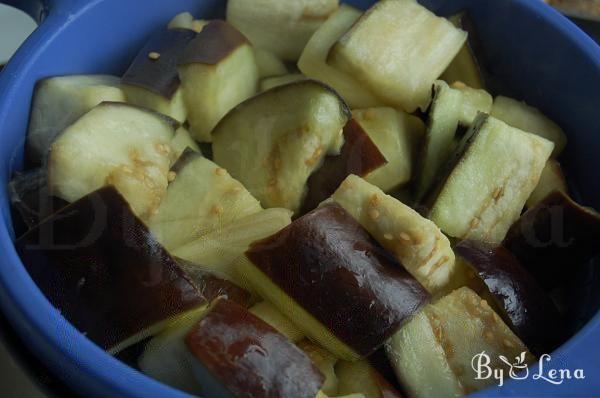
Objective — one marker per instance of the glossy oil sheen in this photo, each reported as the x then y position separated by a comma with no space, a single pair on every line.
98,264
531,313
538,54
159,75
249,357
338,273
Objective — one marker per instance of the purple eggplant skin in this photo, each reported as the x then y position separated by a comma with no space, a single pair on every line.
521,301
553,237
159,75
31,198
217,40
359,155
249,357
99,265
337,272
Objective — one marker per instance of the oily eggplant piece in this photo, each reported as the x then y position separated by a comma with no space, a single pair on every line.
468,65
474,101
416,242
553,237
212,285
478,199
181,141
313,61
359,155
101,267
152,80
334,281
527,118
397,49
217,71
523,304
432,354
280,26
444,116
30,197
274,141
552,179
202,197
397,135
236,354
114,144
59,101
268,64
276,81
361,377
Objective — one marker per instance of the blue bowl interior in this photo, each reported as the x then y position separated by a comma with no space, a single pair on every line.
533,53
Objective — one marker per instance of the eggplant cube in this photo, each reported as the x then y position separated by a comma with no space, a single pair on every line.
497,169
152,80
313,61
114,144
444,338
201,198
397,135
217,72
236,354
417,243
334,281
280,26
398,49
274,141
60,101
116,297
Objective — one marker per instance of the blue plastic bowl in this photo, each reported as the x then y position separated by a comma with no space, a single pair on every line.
537,54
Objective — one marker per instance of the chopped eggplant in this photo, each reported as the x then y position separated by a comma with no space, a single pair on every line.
59,101
325,361
268,64
152,80
398,48
523,304
201,198
313,61
274,141
181,141
280,26
182,20
496,168
114,144
397,135
217,72
527,118
443,340
334,282
361,377
218,250
552,179
417,243
444,115
467,66
116,297
214,284
165,359
359,155
553,237
474,101
29,195
234,353
268,313
276,81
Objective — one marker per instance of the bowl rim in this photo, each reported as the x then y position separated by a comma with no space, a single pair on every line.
78,361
